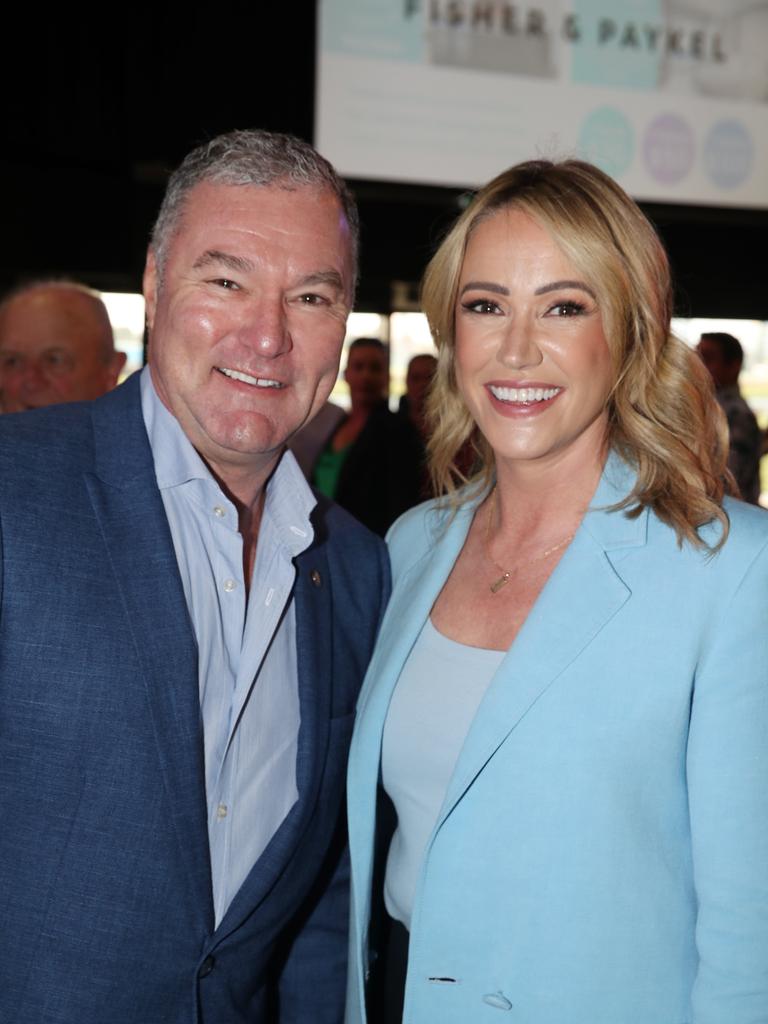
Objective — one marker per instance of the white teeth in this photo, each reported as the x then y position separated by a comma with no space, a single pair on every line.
523,396
246,378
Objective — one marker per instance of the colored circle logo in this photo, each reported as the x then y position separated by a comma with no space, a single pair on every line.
728,153
668,149
607,139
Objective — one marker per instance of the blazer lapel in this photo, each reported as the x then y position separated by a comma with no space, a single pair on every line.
130,511
409,607
584,592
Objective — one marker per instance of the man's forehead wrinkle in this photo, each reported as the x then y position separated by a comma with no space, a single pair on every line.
217,256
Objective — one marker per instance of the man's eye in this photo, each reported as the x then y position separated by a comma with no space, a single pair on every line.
313,299
58,361
226,282
9,362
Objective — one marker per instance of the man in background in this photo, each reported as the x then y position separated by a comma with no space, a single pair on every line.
723,356
56,345
418,378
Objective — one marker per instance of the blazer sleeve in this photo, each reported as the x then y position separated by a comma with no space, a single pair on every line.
727,766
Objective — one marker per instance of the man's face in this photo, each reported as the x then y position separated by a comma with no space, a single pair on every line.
367,376
421,370
723,373
247,323
52,350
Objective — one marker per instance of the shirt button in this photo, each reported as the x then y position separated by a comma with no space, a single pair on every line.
221,811
229,585
219,511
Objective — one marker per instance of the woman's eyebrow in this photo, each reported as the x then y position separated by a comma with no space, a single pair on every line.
556,285
485,286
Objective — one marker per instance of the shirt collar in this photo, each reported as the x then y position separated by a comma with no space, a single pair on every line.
289,503
176,460
289,500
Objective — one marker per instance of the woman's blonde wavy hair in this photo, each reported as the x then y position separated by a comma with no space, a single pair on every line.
663,417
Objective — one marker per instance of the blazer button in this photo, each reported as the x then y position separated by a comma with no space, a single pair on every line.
497,999
315,577
206,967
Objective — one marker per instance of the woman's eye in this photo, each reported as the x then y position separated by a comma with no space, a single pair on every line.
567,309
480,306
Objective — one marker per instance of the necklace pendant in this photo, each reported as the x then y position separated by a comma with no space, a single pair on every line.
500,582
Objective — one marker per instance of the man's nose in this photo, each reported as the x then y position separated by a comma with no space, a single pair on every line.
265,328
33,377
518,347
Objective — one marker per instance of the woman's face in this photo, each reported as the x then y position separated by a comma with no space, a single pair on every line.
532,362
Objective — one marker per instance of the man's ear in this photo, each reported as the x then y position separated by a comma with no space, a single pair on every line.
116,364
149,287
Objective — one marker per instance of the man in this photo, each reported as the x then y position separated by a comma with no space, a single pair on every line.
421,370
183,632
370,463
723,356
56,345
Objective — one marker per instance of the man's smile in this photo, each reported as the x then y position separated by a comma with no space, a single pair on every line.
246,378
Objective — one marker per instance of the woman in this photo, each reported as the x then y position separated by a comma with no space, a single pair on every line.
568,704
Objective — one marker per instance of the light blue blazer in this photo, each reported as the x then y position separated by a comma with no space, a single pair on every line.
601,856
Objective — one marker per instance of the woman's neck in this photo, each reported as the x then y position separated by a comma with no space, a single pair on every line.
543,499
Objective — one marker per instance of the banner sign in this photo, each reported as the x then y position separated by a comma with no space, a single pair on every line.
671,98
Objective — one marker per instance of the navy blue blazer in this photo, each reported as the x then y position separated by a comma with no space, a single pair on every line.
105,901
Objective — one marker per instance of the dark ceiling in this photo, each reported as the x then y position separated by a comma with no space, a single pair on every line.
95,118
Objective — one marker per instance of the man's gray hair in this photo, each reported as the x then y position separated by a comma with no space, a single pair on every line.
249,157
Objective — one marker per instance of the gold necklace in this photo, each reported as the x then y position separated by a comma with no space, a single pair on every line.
506,574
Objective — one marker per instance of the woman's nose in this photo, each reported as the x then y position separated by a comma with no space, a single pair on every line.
518,347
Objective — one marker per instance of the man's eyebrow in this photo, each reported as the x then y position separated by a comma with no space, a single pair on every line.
329,277
485,286
216,256
554,286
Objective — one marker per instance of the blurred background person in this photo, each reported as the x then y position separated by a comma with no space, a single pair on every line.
56,345
412,408
418,377
371,462
723,356
568,700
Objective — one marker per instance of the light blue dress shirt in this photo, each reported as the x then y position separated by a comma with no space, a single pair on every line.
246,643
